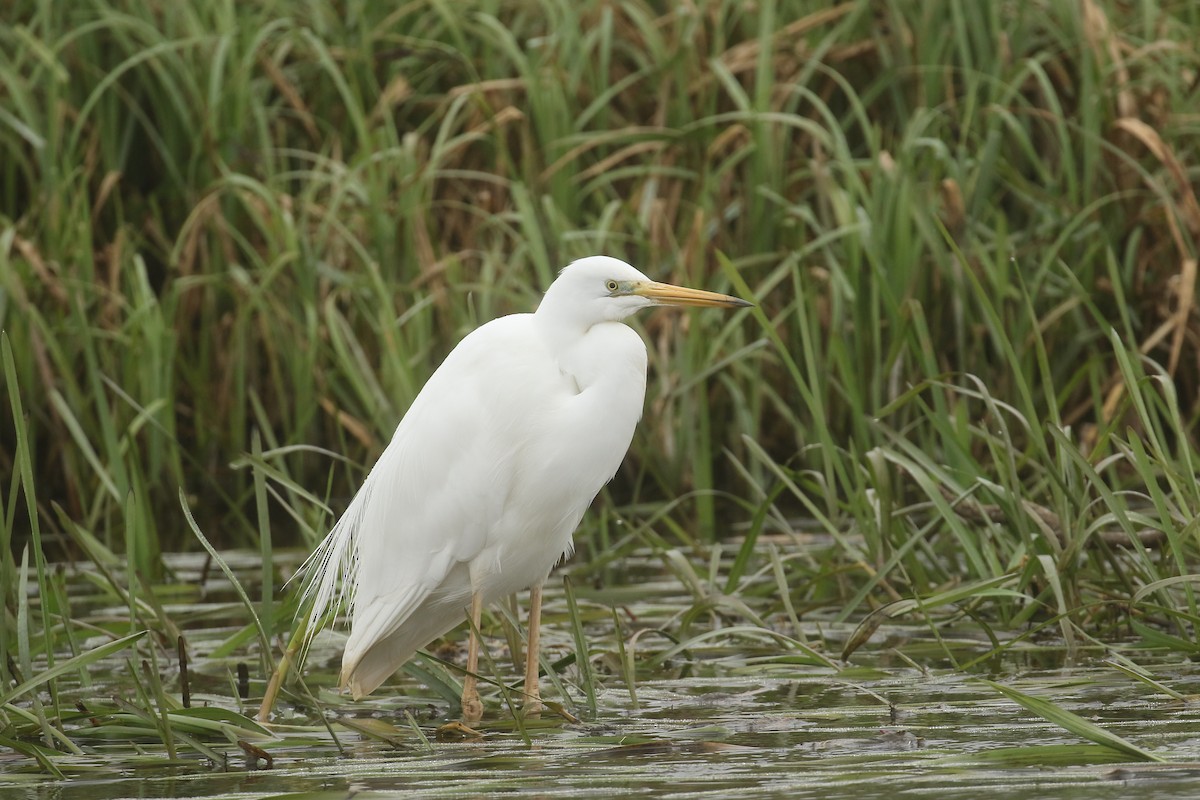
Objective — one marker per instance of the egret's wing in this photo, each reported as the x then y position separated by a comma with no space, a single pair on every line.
429,500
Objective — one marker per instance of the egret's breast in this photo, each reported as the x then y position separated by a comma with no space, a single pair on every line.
582,428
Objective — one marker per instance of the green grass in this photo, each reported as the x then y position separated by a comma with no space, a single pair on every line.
235,239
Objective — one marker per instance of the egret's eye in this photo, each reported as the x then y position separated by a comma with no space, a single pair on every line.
611,285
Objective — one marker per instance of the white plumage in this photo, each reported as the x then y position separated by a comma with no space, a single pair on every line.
491,469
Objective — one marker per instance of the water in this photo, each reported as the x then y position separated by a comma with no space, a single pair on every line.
731,716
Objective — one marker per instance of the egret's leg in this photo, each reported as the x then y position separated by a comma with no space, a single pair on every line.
472,706
533,693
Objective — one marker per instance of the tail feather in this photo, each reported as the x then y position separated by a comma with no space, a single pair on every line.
364,670
331,572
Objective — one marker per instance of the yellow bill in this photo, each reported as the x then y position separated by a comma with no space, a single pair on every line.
666,294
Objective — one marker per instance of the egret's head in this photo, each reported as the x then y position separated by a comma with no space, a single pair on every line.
600,288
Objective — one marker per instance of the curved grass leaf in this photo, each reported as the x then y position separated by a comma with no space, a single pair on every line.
1074,723
80,661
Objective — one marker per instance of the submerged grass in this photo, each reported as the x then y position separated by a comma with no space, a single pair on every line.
236,238
705,701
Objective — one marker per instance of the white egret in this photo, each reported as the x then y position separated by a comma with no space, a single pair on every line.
488,474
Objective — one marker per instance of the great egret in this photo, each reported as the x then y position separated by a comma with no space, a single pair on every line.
489,472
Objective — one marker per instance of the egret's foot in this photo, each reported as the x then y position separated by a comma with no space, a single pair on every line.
472,708
533,707
562,712
456,731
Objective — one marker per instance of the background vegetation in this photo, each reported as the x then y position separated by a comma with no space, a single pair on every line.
235,238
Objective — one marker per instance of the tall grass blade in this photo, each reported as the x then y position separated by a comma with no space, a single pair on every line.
263,640
583,661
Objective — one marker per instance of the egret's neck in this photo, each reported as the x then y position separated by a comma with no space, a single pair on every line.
600,353
560,329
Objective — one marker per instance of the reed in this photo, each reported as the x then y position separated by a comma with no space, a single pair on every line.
236,238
